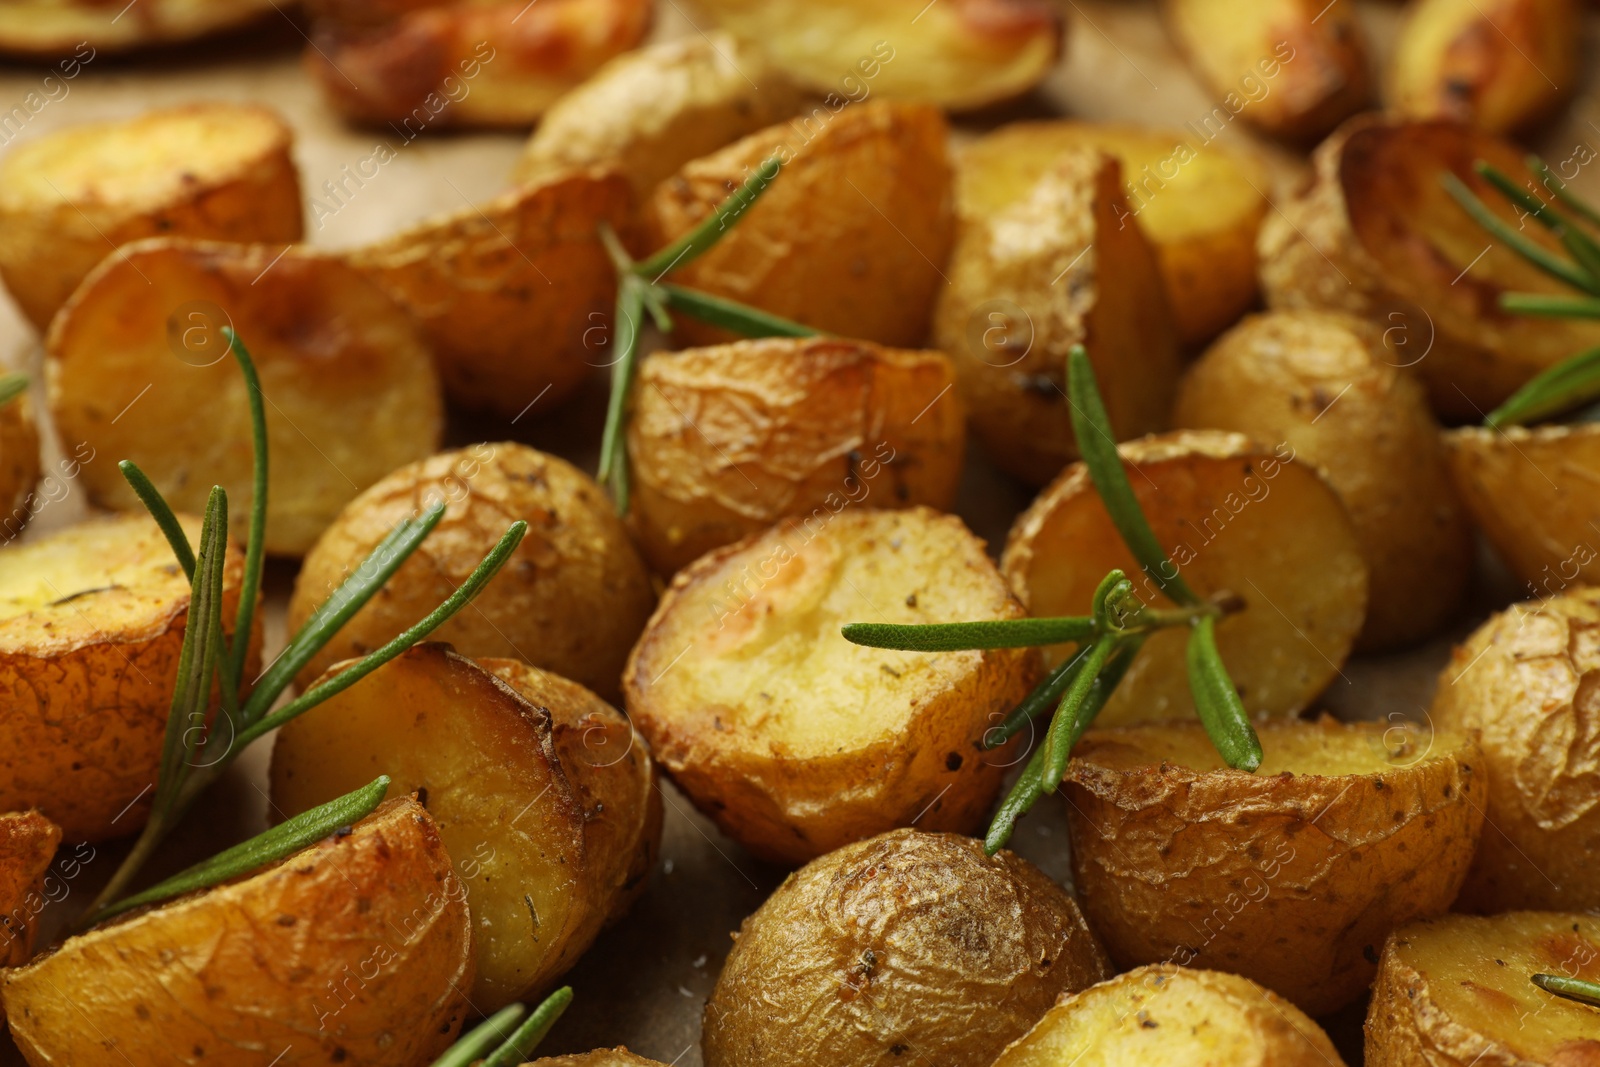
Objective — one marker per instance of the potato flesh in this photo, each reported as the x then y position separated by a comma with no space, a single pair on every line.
48,28
87,581
1295,748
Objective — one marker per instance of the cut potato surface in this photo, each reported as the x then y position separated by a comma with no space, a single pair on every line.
357,950
1168,1016
1234,517
1455,991
614,1057
70,198
28,843
1291,876
796,741
48,29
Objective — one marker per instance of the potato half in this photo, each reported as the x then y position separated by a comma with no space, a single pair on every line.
355,950
920,947
1169,1016
850,239
138,368
960,54
1234,517
1376,234
1291,876
607,1057
1454,992
724,441
572,598
1060,267
1523,683
1323,382
19,465
49,29
795,741
1200,207
91,626
514,295
28,843
650,111
72,197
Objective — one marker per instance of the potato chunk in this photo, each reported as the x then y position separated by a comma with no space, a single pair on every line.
609,1057
70,198
1234,517
796,741
19,465
28,843
48,29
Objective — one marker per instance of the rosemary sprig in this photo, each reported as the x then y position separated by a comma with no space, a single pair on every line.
489,1039
1571,988
12,386
1569,384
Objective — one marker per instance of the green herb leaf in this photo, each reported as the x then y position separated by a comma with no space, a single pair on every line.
1070,718
161,511
1563,194
1217,700
1023,796
1559,307
12,386
1571,988
1534,253
698,240
1569,384
732,315
520,1045
483,1038
961,636
255,546
613,444
1045,696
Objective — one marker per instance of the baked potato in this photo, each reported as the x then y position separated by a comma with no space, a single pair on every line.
1498,65
1235,517
961,54
483,63
792,739
850,239
1377,234
648,112
19,464
909,947
91,626
70,198
1324,382
1521,682
48,29
571,598
509,293
357,949
139,369
542,855
605,1057
1291,876
1531,491
1200,209
1294,68
1169,1016
1060,267
724,441
28,843
1455,991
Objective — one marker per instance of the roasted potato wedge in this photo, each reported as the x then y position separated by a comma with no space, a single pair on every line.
606,1057
1169,1016
91,625
139,369
1200,209
1234,517
1521,682
1454,991
961,54
850,239
792,739
19,464
509,293
922,948
1060,267
28,843
572,598
1531,491
48,29
355,950
1498,65
648,112
1324,382
1181,859
1294,68
1376,234
725,441
496,63
70,198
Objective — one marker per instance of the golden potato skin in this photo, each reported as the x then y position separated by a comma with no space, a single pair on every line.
1169,1016
862,262
907,947
1058,268
571,598
1530,490
724,441
1454,992
91,627
19,464
1234,517
1325,383
355,950
650,111
795,741
28,843
1521,682
1292,876
1499,65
